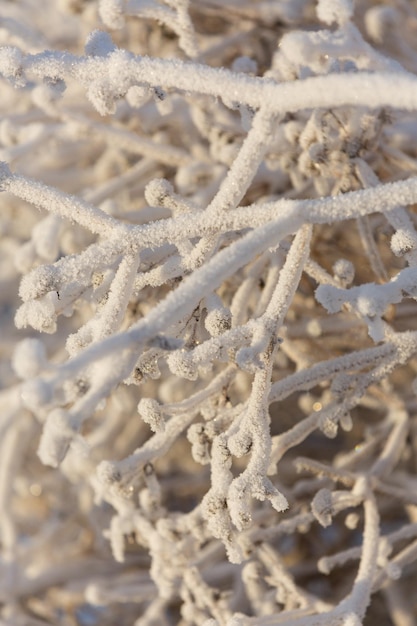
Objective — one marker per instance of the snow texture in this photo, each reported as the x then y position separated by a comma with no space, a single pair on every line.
208,285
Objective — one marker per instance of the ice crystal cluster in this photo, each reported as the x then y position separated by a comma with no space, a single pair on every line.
208,284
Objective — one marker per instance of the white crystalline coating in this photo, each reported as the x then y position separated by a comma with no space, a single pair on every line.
181,364
107,473
330,11
157,190
39,314
278,501
178,196
344,270
10,61
99,44
137,95
37,283
330,298
150,411
218,321
403,242
102,97
29,358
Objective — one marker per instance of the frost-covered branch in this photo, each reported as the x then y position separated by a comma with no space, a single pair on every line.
207,371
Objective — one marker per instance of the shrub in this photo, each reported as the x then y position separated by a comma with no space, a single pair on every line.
208,410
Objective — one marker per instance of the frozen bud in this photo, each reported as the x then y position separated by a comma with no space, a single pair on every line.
269,492
56,438
197,436
322,507
148,365
37,283
240,443
331,298
323,566
99,44
218,321
29,358
313,328
157,190
209,410
101,96
181,364
352,521
137,95
248,359
108,473
344,271
402,242
10,62
328,427
330,11
369,304
39,314
150,411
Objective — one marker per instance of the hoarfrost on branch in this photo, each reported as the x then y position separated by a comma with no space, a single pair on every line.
207,374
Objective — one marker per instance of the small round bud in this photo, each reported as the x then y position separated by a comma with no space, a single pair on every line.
344,271
339,11
157,190
99,44
150,411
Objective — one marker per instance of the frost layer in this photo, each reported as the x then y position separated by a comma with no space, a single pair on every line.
207,372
